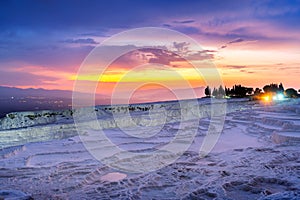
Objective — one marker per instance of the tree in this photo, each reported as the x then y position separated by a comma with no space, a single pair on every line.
249,91
267,88
257,91
207,91
239,91
291,93
227,91
215,92
280,88
236,91
273,88
221,91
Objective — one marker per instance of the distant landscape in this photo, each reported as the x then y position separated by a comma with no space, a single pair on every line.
16,99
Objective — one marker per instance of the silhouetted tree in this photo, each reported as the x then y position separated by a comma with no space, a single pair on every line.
239,91
257,91
215,92
267,88
280,88
236,91
221,91
249,91
273,88
291,93
227,91
207,91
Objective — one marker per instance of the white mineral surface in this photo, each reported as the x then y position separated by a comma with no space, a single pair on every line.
256,157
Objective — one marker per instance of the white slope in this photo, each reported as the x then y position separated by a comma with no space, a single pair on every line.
246,163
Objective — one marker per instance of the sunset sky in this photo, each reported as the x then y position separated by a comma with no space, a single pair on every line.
43,43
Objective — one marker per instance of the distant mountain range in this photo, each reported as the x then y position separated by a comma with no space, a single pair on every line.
16,99
8,92
148,96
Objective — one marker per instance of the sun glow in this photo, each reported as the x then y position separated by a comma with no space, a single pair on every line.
266,98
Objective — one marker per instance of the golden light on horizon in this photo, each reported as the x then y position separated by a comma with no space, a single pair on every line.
266,98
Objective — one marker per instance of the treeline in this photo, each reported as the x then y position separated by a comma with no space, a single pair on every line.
236,91
275,89
240,91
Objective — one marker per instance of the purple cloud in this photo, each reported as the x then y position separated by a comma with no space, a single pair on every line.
235,66
200,55
22,78
181,46
236,41
81,41
184,22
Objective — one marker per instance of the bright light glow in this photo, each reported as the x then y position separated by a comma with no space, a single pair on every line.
266,98
280,97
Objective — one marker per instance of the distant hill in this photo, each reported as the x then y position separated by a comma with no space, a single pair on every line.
16,99
8,92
